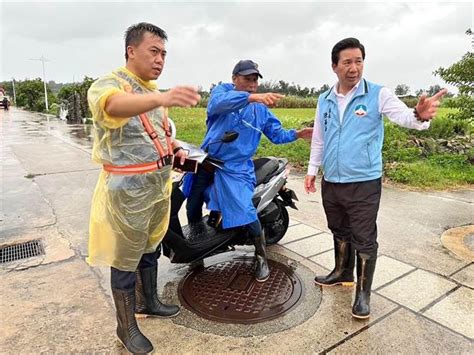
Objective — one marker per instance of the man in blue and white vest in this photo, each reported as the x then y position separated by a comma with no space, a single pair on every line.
347,144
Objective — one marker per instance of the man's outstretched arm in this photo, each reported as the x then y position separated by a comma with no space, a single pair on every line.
129,105
400,114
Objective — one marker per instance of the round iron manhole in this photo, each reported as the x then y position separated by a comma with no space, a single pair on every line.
227,292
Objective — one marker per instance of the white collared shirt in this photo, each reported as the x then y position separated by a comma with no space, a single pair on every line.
389,105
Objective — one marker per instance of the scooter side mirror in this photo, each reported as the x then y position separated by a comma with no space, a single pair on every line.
229,136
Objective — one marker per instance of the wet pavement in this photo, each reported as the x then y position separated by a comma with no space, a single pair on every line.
423,297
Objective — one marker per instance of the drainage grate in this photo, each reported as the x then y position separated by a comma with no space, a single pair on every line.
20,251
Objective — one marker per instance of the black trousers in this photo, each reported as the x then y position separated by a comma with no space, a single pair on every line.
195,200
125,280
351,211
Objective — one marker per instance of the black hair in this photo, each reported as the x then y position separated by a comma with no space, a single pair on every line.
344,44
134,34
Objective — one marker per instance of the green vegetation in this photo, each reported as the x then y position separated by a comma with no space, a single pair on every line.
190,123
74,97
30,96
191,127
439,171
461,75
439,158
289,101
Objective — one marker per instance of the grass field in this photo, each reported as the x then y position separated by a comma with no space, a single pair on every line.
191,127
405,164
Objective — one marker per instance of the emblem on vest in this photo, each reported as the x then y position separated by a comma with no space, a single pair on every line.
360,110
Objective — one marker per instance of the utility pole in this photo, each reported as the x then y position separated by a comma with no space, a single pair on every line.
14,92
43,59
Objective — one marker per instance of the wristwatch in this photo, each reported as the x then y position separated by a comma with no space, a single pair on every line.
177,149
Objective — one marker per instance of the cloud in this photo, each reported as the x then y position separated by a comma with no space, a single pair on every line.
291,41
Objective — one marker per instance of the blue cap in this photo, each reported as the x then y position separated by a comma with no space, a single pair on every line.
246,67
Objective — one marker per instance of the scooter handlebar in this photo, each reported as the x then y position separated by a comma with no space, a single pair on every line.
199,155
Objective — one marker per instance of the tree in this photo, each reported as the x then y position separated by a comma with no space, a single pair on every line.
419,92
402,89
461,75
30,95
283,86
214,85
322,89
433,89
74,97
8,87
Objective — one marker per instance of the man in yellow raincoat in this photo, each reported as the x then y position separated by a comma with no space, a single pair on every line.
130,207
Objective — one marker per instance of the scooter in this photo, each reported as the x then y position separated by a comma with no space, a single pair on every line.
194,242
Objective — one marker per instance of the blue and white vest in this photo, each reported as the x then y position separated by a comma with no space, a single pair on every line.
353,147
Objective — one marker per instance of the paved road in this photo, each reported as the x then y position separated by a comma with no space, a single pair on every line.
423,299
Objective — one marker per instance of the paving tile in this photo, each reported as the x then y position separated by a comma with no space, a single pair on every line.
417,290
293,222
456,311
405,333
298,232
325,259
280,249
465,276
388,269
317,269
311,246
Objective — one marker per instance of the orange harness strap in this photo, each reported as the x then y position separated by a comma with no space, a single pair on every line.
165,159
131,169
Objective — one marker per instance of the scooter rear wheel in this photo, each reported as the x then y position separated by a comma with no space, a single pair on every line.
275,230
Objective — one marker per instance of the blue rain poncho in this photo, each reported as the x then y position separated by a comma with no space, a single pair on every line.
232,190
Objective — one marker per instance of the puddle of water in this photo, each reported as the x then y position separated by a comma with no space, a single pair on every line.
78,134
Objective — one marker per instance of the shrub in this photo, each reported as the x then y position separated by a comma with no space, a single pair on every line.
409,101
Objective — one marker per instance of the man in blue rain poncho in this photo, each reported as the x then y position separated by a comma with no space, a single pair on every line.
237,107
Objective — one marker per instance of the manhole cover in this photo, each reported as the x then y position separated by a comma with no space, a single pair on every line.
227,292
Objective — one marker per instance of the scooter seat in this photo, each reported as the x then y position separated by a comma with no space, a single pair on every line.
264,168
199,233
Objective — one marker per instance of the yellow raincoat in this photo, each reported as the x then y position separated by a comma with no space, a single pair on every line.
129,213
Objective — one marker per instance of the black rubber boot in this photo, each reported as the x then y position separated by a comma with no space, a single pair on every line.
262,272
343,272
365,275
214,219
127,329
148,303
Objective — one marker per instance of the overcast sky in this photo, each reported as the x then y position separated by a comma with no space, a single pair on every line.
405,41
